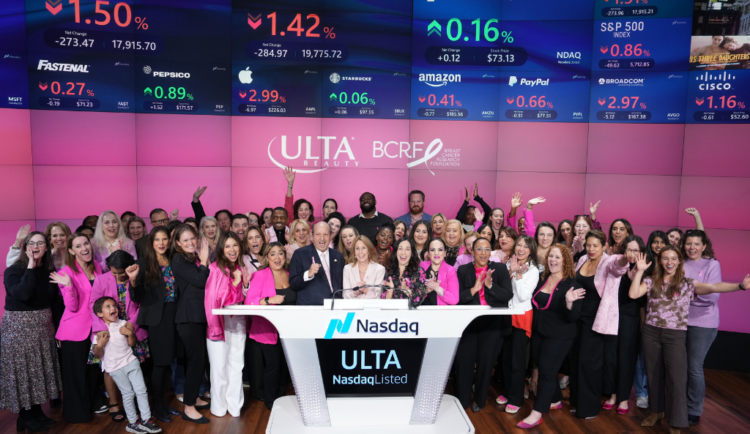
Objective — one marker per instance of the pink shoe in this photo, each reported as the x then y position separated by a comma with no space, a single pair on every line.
556,407
502,400
622,410
512,409
606,406
524,425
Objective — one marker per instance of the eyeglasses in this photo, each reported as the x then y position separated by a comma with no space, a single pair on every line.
581,215
161,222
39,244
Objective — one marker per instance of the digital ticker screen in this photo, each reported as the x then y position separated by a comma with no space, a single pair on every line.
597,61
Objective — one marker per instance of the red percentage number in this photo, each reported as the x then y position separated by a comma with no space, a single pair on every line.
723,102
265,96
623,103
329,32
104,16
445,100
59,89
629,50
295,26
534,101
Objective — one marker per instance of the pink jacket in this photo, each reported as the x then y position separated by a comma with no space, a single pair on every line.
607,282
75,324
219,293
528,224
448,281
261,286
105,285
374,276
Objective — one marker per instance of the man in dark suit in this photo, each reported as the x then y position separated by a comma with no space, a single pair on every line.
315,270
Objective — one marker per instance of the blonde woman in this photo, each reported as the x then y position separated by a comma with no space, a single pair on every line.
299,236
346,242
454,239
109,236
438,224
363,269
209,229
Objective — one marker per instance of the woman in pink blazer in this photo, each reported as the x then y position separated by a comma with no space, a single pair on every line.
442,281
225,336
599,274
270,286
363,270
80,379
116,284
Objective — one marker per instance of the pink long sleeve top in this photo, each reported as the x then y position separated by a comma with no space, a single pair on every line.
529,226
261,286
220,292
448,281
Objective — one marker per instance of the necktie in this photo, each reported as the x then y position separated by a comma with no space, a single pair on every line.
324,262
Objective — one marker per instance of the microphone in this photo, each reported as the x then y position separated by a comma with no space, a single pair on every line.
356,288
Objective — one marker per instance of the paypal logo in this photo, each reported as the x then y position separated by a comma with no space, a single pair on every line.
513,80
336,325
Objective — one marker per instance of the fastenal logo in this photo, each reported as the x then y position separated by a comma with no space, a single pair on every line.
147,70
334,77
438,80
45,65
715,81
336,325
367,326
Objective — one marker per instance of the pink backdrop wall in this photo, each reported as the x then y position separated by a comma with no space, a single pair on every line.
66,165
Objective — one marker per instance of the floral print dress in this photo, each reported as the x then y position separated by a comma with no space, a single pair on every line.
414,280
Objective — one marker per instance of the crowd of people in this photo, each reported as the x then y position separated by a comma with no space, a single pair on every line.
112,304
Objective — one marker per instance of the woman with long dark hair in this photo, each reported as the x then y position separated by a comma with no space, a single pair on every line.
330,206
270,286
545,236
401,230
565,233
301,208
336,221
80,380
618,231
665,332
403,276
420,236
30,373
154,289
190,269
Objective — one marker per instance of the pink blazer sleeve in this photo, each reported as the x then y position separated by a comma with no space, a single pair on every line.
529,226
450,286
219,293
71,296
257,287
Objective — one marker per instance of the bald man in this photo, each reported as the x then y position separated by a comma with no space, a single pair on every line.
316,270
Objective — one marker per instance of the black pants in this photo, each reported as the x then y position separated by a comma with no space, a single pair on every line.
193,336
620,357
273,364
478,348
587,370
548,355
665,357
81,382
514,366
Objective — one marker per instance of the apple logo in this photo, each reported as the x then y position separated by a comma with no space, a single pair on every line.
246,76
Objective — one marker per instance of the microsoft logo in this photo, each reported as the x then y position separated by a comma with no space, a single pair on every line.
336,325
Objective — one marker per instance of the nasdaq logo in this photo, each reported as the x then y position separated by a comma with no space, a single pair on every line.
45,65
336,325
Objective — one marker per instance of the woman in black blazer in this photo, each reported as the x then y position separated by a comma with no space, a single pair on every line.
190,279
154,288
481,283
557,306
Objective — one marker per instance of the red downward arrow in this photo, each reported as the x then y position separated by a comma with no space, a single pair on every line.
421,99
602,101
43,86
604,49
243,94
510,100
699,101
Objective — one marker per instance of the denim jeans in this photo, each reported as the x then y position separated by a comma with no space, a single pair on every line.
178,379
699,340
640,382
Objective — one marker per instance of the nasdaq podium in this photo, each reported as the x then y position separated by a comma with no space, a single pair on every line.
369,365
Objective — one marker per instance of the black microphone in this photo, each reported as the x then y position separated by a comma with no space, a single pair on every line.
356,288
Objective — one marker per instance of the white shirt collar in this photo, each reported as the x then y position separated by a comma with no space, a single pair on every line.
362,215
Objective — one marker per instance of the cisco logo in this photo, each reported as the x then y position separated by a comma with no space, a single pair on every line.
715,81
438,80
147,70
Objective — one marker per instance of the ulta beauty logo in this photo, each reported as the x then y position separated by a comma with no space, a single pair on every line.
344,157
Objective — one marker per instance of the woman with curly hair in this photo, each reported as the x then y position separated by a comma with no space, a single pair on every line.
404,276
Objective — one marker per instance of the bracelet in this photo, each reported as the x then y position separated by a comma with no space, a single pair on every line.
740,285
290,186
15,248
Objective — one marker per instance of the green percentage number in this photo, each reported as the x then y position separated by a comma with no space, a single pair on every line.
356,98
490,33
172,92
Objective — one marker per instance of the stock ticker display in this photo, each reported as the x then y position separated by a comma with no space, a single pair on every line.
598,61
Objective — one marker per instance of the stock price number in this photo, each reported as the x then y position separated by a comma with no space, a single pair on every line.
624,103
125,45
721,102
322,54
57,89
501,58
265,96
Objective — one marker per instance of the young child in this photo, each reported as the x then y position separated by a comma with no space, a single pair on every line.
120,363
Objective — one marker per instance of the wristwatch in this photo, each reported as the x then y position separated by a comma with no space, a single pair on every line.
266,300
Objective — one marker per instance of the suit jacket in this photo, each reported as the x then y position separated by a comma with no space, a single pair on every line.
105,285
314,291
373,276
150,298
190,282
261,286
219,293
140,245
607,281
448,277
499,295
75,324
557,321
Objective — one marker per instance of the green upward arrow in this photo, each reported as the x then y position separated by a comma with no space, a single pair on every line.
147,90
434,25
333,96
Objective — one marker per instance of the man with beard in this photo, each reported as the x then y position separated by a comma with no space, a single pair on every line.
368,222
416,209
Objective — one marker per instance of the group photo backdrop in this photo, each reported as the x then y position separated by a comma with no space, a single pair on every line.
132,105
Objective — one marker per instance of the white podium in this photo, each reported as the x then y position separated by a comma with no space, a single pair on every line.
369,365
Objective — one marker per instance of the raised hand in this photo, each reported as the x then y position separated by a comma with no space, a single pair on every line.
61,279
289,174
577,244
523,269
467,194
174,214
476,190
203,252
514,264
30,255
641,263
389,283
516,200
692,211
23,232
745,282
479,215
117,245
198,193
535,201
574,294
237,276
132,272
592,209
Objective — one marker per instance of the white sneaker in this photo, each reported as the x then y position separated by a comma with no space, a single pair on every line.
641,402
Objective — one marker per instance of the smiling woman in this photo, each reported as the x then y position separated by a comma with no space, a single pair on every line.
109,236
